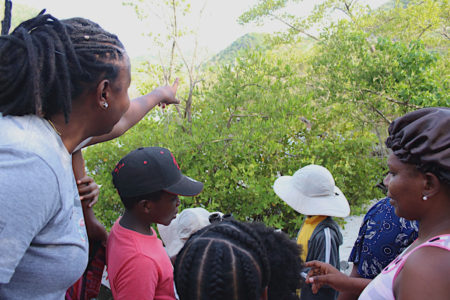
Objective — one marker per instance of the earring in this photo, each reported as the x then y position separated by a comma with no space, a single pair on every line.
424,198
105,104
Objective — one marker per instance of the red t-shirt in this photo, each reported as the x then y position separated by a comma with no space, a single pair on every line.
138,266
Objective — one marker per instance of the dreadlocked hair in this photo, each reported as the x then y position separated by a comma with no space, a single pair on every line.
225,260
285,263
45,63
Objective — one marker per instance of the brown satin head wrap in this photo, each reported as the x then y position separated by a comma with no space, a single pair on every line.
422,138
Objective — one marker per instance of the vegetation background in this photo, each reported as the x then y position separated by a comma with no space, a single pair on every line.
323,91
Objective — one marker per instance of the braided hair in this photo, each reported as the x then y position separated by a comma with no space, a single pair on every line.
225,260
45,63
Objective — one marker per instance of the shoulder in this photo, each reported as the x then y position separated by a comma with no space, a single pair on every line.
379,210
426,271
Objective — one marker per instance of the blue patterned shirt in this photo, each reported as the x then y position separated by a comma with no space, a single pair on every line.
382,236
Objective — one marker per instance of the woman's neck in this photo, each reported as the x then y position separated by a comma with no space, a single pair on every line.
72,133
436,221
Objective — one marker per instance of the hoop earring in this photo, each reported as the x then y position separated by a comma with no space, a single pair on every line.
425,198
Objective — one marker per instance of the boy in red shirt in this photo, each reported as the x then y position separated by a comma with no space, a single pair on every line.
148,181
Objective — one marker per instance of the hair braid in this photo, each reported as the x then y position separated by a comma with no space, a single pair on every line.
6,23
46,63
183,275
248,277
226,261
217,285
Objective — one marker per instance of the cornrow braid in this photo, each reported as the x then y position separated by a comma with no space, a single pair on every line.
225,260
45,63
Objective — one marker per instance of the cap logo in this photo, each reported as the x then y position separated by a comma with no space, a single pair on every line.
118,167
174,161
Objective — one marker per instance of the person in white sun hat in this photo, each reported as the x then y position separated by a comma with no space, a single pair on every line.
312,192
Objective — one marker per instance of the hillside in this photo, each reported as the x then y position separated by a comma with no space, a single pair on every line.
250,40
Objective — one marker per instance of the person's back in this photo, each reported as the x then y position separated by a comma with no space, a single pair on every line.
225,260
311,191
148,181
58,231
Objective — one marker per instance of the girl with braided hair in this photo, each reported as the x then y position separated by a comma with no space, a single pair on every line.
225,260
61,82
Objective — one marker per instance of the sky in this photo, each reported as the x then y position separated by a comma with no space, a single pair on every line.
217,28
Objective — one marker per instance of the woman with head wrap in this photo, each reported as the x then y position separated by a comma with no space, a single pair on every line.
419,187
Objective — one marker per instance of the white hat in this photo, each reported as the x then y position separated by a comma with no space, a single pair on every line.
180,229
311,191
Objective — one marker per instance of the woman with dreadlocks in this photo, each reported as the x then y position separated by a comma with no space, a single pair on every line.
225,260
61,82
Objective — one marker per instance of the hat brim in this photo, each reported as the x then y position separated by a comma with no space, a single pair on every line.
186,186
335,205
170,238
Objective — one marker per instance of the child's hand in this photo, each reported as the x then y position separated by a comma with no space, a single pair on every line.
167,94
88,190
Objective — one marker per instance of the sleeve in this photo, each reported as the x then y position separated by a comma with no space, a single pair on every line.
29,198
355,254
137,279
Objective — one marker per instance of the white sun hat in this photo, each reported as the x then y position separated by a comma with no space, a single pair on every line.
311,191
180,229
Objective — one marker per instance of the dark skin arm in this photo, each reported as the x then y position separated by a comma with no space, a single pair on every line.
325,274
139,107
351,295
88,191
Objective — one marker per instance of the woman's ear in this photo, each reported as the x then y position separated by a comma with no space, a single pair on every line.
103,93
264,294
432,185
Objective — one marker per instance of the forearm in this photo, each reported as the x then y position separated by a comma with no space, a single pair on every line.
139,107
356,285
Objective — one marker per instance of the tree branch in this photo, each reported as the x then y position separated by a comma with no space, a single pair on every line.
293,27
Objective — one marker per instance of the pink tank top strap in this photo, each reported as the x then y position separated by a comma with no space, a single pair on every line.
440,241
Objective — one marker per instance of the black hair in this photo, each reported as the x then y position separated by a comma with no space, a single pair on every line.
45,63
225,260
285,263
130,202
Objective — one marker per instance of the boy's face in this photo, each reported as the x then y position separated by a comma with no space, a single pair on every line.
165,209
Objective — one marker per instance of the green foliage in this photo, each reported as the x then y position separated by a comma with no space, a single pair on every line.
262,113
254,123
380,79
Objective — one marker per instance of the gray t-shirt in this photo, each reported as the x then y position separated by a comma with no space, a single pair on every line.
43,240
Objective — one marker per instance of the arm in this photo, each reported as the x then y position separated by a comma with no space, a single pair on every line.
139,107
88,191
425,275
325,274
349,294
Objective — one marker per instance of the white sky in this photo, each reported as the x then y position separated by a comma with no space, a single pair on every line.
218,26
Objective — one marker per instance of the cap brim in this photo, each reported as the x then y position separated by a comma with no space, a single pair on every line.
186,186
